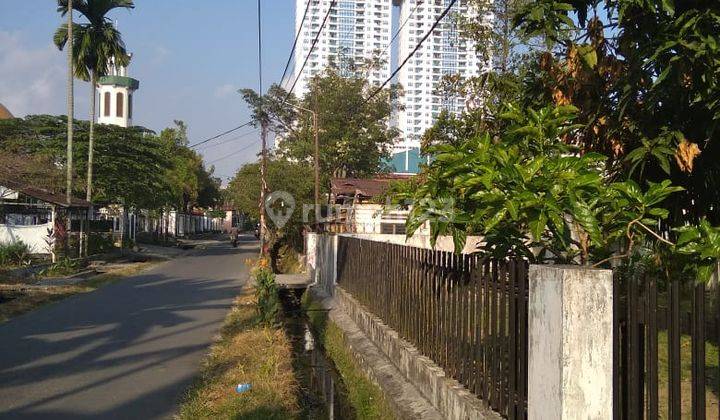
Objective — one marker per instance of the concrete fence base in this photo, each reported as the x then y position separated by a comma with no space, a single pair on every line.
447,395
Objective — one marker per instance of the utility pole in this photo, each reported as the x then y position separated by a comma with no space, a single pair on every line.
317,155
263,135
263,185
70,104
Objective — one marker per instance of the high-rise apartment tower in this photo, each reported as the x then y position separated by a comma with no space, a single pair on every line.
445,52
356,30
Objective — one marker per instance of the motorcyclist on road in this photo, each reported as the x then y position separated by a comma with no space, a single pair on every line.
234,236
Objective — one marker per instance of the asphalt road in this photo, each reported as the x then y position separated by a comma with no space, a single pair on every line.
127,350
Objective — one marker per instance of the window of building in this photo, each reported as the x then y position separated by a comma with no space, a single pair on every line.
106,104
130,105
119,105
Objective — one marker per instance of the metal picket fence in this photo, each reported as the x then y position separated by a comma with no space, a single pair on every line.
466,313
662,337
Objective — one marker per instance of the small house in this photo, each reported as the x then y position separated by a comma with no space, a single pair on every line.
38,217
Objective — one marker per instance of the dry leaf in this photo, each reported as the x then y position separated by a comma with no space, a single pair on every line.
685,155
560,98
617,147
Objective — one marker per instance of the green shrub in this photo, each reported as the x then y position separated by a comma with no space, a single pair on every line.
14,254
266,292
99,244
286,260
63,267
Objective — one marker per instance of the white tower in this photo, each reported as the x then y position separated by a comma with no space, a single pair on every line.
116,97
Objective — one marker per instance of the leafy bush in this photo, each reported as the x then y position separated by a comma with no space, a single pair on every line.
266,292
99,244
531,193
285,259
14,254
63,267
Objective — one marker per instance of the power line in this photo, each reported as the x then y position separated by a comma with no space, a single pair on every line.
259,20
220,135
229,140
297,36
312,47
417,47
233,153
397,33
402,25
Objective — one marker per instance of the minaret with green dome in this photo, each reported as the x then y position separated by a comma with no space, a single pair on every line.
116,97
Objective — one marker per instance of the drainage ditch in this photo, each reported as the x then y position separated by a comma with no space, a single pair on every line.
322,393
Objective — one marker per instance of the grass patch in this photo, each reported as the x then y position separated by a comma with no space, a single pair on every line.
100,280
19,298
64,267
366,398
712,372
14,255
245,353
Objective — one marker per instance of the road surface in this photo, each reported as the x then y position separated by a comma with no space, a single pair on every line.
127,350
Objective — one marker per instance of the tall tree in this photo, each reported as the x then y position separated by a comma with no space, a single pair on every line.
135,167
645,76
355,136
294,178
70,101
98,46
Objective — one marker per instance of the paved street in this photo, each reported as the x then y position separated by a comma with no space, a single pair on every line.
127,350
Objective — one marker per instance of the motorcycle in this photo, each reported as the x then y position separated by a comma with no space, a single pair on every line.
234,238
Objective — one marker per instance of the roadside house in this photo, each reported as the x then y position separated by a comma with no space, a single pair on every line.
36,216
359,208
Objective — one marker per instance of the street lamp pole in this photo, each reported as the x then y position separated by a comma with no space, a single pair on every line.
317,150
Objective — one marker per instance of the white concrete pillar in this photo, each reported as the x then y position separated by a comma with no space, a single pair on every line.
570,343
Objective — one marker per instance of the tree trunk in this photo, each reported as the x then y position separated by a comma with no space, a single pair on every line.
91,142
70,105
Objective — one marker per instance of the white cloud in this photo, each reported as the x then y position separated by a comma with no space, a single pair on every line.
225,90
33,77
160,54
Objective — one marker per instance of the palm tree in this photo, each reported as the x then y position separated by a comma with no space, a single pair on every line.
97,44
70,105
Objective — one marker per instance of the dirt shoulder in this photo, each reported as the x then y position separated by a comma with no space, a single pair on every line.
19,297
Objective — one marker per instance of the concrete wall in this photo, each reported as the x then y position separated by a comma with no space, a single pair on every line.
447,395
367,218
188,224
569,348
570,343
444,243
32,236
321,260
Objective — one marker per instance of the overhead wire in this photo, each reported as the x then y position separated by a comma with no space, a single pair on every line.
224,133
312,47
297,36
238,137
412,53
242,149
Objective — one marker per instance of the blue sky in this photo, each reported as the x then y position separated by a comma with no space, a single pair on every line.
189,56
